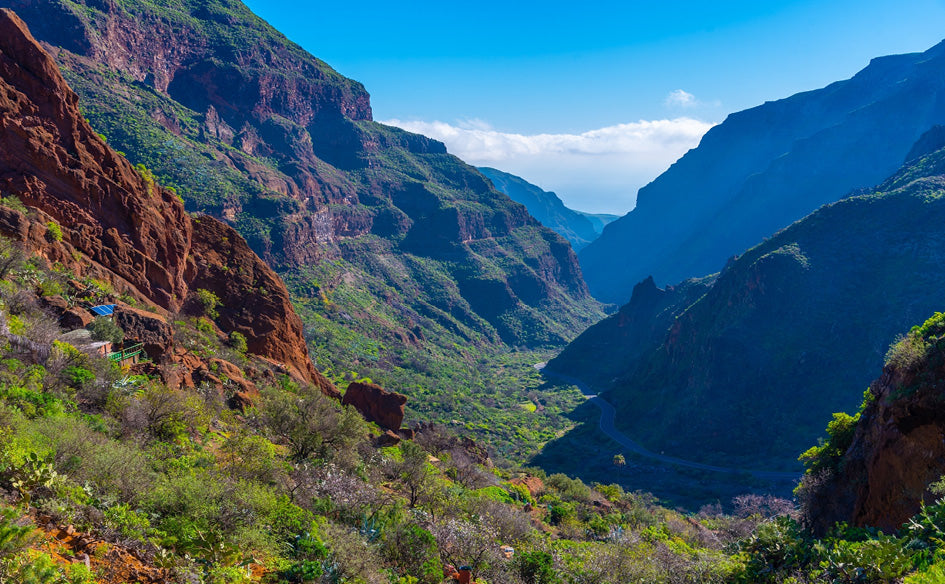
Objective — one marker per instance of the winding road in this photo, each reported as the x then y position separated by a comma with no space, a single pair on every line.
608,414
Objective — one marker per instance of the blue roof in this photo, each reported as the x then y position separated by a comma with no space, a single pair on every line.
104,309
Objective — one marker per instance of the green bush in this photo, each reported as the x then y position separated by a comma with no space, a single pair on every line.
413,550
571,489
776,548
840,433
53,231
104,329
536,567
238,342
209,302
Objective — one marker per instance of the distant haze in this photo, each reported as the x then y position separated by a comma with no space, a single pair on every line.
598,171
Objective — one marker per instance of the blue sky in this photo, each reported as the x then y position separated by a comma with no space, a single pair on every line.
593,100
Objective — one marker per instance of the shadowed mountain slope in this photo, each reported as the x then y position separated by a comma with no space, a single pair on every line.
787,333
768,166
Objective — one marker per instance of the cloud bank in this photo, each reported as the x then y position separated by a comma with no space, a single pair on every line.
596,171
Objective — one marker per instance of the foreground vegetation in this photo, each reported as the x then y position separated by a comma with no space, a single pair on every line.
295,490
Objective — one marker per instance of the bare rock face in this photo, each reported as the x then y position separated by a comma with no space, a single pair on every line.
376,404
116,220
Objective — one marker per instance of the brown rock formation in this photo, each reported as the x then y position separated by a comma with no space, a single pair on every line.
534,485
116,221
376,404
898,450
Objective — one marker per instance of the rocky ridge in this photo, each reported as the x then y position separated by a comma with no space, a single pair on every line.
897,449
92,212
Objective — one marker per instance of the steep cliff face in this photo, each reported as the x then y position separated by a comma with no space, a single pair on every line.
787,333
117,222
763,168
898,446
256,132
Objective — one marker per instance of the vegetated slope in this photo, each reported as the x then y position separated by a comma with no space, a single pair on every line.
88,210
768,166
546,207
252,129
788,332
877,468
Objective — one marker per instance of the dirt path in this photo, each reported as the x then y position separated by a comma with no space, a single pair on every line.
608,414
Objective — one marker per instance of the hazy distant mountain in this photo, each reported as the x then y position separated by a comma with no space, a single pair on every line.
747,370
764,168
600,220
576,227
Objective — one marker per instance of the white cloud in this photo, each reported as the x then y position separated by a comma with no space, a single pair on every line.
680,98
598,170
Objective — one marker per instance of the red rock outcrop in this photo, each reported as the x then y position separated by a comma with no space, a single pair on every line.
898,450
116,220
376,404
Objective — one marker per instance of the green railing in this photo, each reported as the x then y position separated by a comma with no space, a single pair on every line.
127,353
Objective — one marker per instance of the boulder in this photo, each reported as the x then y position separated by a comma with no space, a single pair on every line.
376,404
388,438
147,327
75,318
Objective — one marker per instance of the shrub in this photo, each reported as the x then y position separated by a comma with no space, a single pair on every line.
413,550
209,302
840,433
536,567
13,202
104,329
53,231
775,548
238,342
573,489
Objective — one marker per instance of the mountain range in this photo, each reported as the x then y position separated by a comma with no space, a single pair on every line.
292,159
743,367
766,167
183,432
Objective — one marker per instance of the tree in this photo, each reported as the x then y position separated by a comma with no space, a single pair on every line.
414,471
413,550
311,424
104,329
463,543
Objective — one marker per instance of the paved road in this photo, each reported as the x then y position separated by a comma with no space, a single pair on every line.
608,414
